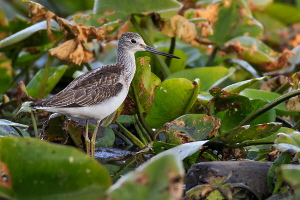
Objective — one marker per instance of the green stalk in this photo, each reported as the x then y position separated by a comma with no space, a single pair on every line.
45,76
125,139
140,125
164,68
268,106
139,131
36,133
88,66
212,56
171,50
140,113
133,139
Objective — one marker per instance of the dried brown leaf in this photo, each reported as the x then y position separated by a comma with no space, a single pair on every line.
281,61
180,27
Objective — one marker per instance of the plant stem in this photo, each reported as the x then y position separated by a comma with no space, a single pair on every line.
133,139
297,125
164,68
269,106
140,113
139,130
36,133
145,133
244,144
283,88
45,76
171,50
88,66
212,56
125,139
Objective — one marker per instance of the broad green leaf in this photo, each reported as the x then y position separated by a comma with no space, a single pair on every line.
236,108
240,86
175,64
144,83
6,71
108,139
4,122
159,178
25,33
261,4
290,138
268,116
55,74
127,7
291,174
208,75
251,49
41,170
234,19
269,96
290,15
271,25
184,150
192,126
242,133
272,138
173,98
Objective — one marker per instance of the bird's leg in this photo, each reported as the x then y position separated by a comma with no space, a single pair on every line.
87,139
93,140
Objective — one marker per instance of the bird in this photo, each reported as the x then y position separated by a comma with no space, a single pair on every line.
99,92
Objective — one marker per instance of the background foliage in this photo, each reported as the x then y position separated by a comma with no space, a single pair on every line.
236,86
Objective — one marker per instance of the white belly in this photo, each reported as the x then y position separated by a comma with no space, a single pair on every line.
98,112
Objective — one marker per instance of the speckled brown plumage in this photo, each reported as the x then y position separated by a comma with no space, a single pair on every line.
88,89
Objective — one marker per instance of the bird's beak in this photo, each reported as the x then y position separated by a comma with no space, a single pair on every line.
153,50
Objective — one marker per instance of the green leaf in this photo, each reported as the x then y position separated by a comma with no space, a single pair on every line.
108,139
127,7
175,64
274,178
271,25
236,107
194,126
269,96
288,138
159,178
4,122
204,74
252,50
26,33
240,86
55,75
291,174
268,116
173,98
243,133
52,171
234,20
144,83
5,73
184,150
290,15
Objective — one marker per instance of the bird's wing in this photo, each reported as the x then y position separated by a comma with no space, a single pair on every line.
88,89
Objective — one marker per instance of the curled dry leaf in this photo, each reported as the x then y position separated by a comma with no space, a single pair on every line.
180,27
210,13
280,62
71,50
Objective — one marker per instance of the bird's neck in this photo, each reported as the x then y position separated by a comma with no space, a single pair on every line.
126,59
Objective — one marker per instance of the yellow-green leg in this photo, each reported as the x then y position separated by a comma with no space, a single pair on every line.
87,139
93,140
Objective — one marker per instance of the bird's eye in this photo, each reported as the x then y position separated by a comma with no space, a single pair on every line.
133,41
